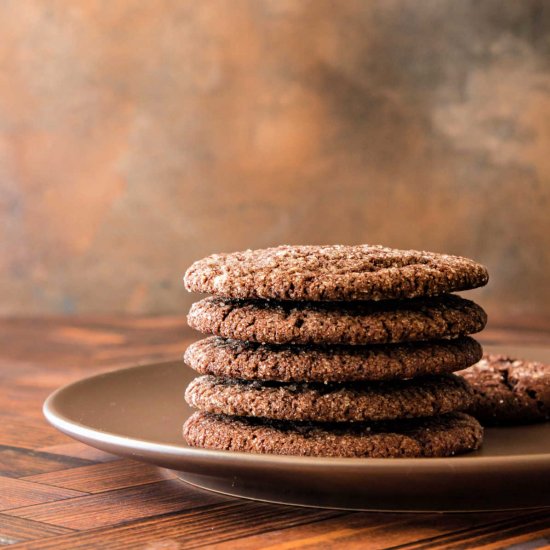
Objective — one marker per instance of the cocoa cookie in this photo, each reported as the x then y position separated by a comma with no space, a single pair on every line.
360,401
509,391
301,363
440,436
447,316
337,272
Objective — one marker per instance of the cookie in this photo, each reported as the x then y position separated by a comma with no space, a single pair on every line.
509,391
441,436
360,401
384,322
285,363
313,273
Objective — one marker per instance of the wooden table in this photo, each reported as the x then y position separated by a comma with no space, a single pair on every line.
60,494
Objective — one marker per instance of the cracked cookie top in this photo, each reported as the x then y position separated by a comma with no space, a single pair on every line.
336,272
444,435
447,316
508,390
357,402
228,358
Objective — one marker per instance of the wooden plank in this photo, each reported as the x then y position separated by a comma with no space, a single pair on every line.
53,342
24,401
521,527
14,530
157,352
98,478
15,462
367,530
79,450
534,540
114,507
15,493
28,433
88,336
194,529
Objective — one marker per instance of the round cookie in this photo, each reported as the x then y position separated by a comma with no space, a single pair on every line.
337,272
357,402
354,323
286,363
441,436
509,391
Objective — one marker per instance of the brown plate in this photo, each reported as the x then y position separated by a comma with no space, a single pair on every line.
138,413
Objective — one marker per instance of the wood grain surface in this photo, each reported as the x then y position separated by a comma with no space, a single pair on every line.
60,494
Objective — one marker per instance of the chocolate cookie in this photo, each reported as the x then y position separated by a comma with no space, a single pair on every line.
509,391
389,321
314,273
446,435
373,401
285,363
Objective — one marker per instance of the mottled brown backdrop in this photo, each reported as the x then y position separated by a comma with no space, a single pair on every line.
138,136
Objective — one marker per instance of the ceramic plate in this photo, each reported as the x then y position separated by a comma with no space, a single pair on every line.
138,413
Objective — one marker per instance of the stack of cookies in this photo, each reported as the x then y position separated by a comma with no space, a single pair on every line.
341,351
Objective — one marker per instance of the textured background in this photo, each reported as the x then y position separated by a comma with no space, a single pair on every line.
138,136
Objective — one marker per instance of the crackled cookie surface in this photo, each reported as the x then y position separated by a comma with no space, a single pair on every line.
428,396
354,323
336,272
445,435
330,363
508,390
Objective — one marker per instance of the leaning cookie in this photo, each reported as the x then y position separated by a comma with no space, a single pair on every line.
509,391
336,272
286,363
373,401
448,316
441,436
